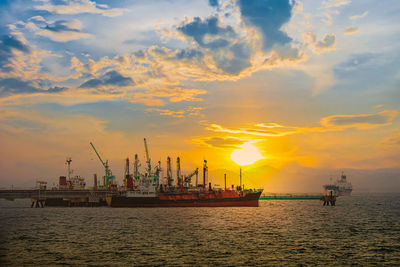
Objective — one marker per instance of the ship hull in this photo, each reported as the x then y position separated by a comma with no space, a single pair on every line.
250,200
345,193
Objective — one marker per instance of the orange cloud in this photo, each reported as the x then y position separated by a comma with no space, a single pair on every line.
190,111
153,97
351,30
327,43
361,121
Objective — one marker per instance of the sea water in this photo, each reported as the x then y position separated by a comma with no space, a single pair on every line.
361,230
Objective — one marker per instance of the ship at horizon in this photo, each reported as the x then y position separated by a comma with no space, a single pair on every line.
341,187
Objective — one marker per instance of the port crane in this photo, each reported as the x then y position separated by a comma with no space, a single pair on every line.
108,178
147,157
188,178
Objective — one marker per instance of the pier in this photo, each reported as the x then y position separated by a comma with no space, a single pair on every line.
289,196
57,197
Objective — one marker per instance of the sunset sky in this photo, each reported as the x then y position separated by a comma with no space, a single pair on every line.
312,86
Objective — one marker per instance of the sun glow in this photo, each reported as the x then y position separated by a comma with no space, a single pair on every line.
247,154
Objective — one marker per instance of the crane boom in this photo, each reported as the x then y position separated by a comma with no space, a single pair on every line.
108,177
102,162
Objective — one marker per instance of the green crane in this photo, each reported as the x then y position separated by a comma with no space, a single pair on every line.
108,178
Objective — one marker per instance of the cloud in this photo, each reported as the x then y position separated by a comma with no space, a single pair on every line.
361,121
260,129
351,30
359,16
63,31
14,86
393,140
226,142
154,97
213,3
327,43
167,112
198,29
268,17
111,78
8,44
215,51
334,3
79,6
189,111
328,124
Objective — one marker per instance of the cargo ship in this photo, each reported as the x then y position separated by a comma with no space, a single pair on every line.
146,190
341,187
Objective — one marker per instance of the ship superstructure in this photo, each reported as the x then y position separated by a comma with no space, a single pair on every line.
69,181
344,187
341,187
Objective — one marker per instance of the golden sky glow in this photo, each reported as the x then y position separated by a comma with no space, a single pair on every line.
293,96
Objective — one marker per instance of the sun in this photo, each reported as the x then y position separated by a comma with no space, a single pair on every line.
245,155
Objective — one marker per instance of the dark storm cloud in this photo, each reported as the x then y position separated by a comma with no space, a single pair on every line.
110,78
7,44
198,29
268,16
15,86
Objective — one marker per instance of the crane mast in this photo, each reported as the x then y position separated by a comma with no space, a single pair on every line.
169,172
147,157
178,172
127,173
205,174
136,167
69,160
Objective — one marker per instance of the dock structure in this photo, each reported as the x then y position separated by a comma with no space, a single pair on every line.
41,198
288,196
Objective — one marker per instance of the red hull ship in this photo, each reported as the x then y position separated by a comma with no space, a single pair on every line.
147,189
228,198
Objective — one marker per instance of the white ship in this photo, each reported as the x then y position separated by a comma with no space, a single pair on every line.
341,187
